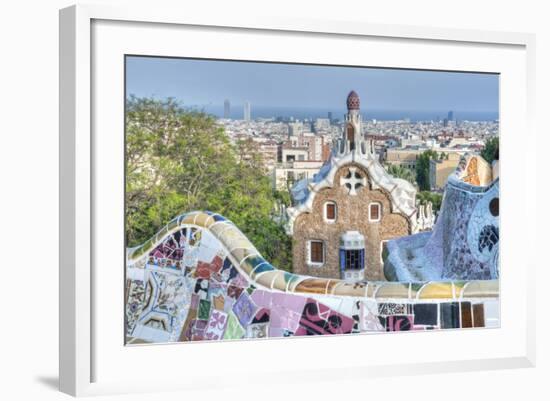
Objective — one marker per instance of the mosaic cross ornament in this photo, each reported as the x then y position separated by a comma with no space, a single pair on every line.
353,181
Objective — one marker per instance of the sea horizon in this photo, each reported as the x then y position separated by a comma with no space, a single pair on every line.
301,113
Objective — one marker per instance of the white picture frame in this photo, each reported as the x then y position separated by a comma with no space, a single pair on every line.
84,327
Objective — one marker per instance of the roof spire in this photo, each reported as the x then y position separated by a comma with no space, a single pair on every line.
352,101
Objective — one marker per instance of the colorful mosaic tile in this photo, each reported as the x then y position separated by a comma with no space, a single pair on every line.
216,325
216,301
450,315
425,314
234,329
244,309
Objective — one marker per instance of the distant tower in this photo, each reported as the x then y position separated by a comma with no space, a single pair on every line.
247,111
352,141
329,115
226,108
450,116
352,131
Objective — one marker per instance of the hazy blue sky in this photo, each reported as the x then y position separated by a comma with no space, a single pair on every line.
203,83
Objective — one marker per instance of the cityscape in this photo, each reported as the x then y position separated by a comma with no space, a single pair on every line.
293,149
248,218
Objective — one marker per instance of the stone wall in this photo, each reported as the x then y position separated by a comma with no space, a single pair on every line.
352,215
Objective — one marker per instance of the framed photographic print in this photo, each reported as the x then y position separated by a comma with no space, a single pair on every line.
289,196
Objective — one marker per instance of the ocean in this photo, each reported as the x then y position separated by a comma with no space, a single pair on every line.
236,112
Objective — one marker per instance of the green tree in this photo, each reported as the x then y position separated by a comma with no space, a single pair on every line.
426,196
401,172
490,150
423,169
180,160
283,197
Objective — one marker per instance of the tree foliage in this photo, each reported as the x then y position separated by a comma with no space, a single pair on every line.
490,150
426,196
401,172
180,160
283,198
423,169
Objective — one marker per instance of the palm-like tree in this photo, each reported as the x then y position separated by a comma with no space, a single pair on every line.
402,172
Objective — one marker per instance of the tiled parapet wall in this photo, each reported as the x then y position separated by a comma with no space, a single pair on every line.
464,243
200,278
470,238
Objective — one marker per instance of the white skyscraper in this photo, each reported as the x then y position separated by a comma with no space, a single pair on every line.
226,108
247,111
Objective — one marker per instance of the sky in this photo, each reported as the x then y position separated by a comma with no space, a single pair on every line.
207,83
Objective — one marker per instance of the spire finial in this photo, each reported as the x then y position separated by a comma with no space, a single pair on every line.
352,101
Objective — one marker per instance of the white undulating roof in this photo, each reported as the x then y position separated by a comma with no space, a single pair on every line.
402,193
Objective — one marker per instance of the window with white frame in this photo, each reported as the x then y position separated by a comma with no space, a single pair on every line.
316,252
375,211
354,259
330,212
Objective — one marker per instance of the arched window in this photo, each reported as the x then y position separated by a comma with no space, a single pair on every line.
330,212
375,211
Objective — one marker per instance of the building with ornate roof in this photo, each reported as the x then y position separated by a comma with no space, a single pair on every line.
343,216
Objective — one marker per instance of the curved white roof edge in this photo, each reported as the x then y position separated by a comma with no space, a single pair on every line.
398,189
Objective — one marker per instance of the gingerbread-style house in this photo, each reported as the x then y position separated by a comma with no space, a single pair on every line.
342,217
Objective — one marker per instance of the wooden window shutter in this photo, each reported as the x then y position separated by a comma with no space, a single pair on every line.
331,211
316,251
374,211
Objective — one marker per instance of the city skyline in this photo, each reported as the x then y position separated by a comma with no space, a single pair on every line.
314,90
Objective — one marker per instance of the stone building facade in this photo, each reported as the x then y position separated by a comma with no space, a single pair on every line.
352,214
342,217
